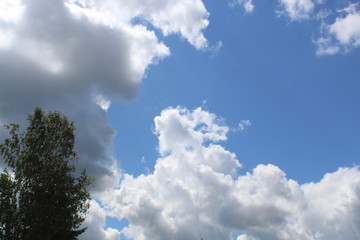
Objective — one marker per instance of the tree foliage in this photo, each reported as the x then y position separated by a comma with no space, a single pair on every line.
42,199
8,206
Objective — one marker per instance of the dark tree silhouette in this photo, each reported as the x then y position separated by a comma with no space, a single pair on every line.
42,199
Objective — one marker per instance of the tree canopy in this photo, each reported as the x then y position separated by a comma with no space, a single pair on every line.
42,197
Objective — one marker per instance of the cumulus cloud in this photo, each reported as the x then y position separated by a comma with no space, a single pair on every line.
333,211
343,34
190,129
188,18
196,191
95,221
75,56
94,44
296,10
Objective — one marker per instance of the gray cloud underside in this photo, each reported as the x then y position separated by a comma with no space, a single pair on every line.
61,55
66,55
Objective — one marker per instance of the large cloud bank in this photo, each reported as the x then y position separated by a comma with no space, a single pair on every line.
196,191
74,56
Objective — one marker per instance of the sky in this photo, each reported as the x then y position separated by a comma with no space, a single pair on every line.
233,119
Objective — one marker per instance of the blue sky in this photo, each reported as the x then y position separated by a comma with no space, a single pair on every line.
204,119
303,107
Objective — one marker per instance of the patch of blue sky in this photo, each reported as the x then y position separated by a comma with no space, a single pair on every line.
302,106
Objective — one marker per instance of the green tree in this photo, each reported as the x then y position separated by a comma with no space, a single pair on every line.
45,199
8,205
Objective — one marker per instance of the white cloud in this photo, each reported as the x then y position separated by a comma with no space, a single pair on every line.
296,10
74,56
343,34
245,237
188,18
102,102
11,10
195,192
190,129
215,49
347,29
246,4
325,46
10,14
60,54
334,205
323,14
96,221
73,37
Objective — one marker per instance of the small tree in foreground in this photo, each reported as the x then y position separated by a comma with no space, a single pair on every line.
42,199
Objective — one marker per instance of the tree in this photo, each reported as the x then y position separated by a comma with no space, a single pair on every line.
44,199
8,204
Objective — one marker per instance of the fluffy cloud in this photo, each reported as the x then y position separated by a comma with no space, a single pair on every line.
189,129
93,45
334,205
296,10
343,34
347,29
188,18
73,56
95,221
69,55
196,192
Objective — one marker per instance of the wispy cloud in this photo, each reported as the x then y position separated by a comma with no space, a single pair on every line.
244,124
246,4
296,10
337,36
